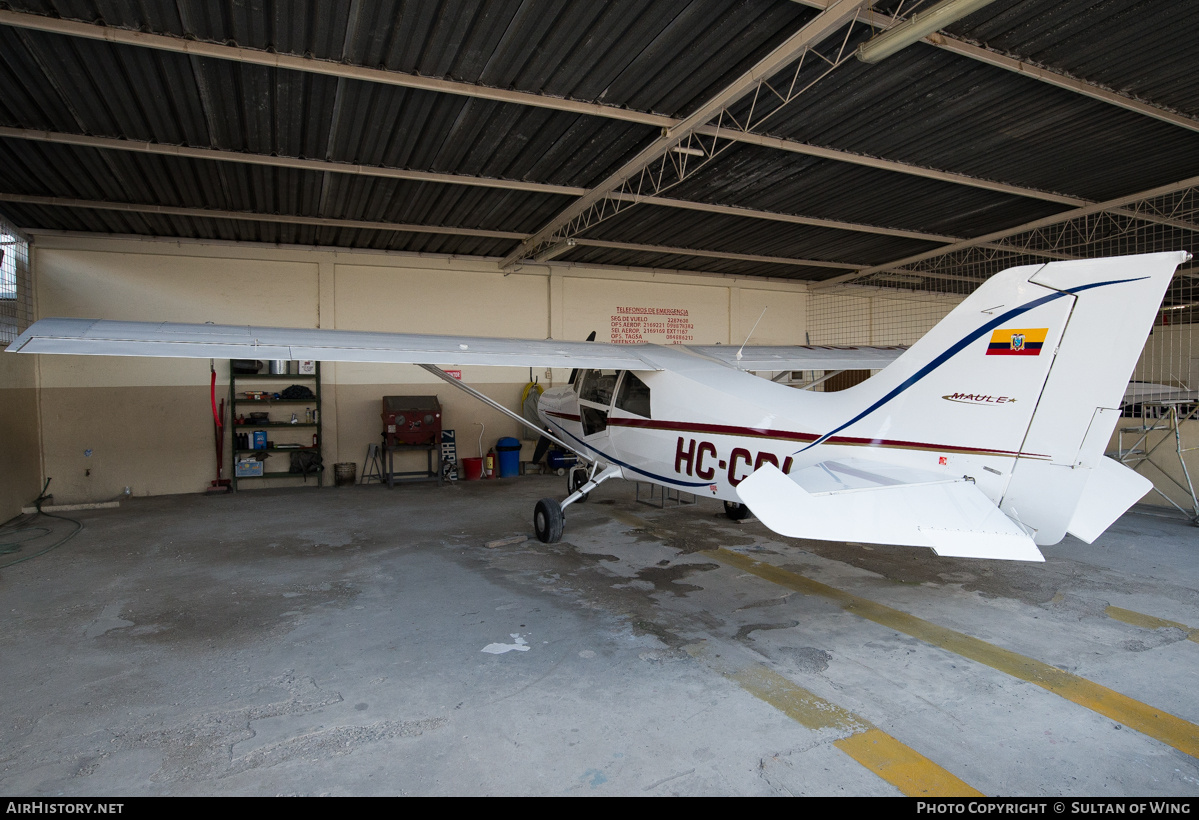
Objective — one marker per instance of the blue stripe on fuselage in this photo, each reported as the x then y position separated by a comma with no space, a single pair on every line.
957,347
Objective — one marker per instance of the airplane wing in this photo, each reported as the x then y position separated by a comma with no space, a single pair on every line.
1141,392
874,503
802,357
166,339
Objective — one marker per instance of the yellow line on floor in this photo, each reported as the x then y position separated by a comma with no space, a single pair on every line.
1144,621
1169,729
900,765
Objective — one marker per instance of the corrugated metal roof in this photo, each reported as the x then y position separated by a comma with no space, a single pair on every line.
932,108
1140,47
925,107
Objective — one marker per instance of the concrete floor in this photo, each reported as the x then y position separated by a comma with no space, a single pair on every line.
365,641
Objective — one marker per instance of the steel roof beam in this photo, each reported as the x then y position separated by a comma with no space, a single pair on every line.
199,48
775,216
1059,79
331,222
314,65
324,166
838,14
732,210
287,219
944,176
1111,206
1062,80
275,161
741,257
169,43
240,54
890,165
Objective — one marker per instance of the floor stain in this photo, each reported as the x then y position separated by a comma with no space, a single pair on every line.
745,632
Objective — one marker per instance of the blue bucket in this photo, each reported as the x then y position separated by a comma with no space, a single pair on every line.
508,451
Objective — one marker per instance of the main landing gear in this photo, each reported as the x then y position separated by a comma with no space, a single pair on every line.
578,477
548,518
736,511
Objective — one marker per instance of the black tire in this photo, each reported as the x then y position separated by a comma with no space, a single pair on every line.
736,511
548,521
577,479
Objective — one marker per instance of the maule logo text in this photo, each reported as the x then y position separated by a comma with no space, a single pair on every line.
978,398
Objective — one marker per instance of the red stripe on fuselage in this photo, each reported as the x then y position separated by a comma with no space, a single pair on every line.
788,435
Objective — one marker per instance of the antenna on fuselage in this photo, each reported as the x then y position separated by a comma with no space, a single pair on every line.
751,332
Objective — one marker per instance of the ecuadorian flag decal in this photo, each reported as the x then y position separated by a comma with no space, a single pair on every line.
1023,341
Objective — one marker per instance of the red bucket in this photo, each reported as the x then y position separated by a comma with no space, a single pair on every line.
472,468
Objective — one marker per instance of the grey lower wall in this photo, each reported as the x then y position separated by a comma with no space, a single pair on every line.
20,462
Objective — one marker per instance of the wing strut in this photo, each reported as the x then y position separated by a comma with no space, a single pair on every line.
446,377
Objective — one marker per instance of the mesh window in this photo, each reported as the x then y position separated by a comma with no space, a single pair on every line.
896,304
16,297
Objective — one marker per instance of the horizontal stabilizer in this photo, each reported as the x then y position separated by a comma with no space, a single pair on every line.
884,504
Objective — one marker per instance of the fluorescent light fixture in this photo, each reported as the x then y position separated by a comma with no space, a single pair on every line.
556,249
691,152
915,27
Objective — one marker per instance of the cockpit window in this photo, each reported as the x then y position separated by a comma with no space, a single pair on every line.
634,396
597,386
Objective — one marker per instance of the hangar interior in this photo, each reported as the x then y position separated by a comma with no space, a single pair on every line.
543,169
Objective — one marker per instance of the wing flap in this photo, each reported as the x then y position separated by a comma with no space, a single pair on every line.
164,339
951,516
802,357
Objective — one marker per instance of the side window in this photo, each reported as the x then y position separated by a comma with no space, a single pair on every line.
634,396
597,386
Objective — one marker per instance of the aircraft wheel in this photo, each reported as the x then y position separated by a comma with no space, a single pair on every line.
548,521
736,511
577,479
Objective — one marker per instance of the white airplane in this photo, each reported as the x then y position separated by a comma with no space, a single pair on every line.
984,439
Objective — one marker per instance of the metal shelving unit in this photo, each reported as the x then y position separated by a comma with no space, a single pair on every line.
238,384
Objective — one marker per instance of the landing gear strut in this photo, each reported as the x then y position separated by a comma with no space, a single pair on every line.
578,477
736,511
548,518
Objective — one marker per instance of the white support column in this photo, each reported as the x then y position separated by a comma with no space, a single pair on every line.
326,318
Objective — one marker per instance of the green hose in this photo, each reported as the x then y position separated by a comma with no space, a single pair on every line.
26,532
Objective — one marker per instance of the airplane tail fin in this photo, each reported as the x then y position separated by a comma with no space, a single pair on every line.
1019,387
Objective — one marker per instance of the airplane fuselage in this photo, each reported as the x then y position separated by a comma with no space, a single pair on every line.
708,426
